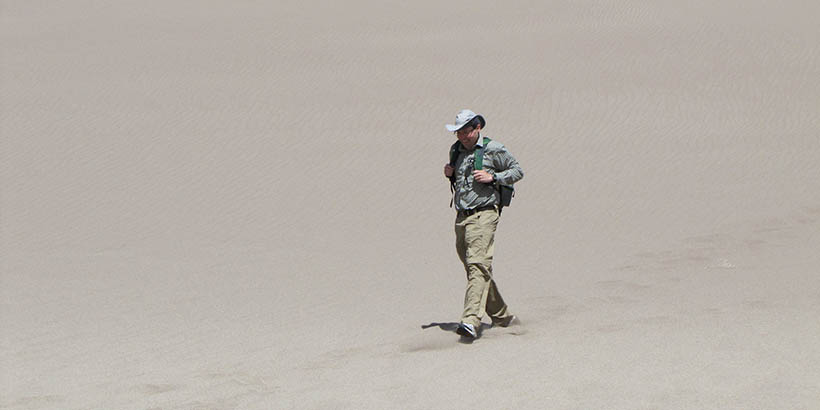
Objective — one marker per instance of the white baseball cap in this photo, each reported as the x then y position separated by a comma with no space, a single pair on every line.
462,118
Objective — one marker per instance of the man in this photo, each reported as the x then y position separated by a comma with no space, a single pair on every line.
476,198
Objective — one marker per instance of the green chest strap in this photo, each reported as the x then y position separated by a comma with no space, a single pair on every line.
479,155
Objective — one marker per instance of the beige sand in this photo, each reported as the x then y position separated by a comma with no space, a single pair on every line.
239,205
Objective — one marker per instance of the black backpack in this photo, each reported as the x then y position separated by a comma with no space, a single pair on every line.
506,192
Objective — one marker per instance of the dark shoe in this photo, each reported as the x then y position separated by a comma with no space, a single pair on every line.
466,330
509,321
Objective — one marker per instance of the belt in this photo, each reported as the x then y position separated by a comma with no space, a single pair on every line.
469,212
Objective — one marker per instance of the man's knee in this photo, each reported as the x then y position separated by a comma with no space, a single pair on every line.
480,271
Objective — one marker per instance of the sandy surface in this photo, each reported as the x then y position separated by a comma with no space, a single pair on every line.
239,205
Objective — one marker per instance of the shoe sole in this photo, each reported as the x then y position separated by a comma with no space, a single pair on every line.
463,331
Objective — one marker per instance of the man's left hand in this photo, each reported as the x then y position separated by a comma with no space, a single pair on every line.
483,176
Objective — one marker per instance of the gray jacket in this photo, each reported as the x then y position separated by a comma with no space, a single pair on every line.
498,161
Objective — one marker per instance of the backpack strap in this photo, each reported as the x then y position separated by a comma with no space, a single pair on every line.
479,155
453,158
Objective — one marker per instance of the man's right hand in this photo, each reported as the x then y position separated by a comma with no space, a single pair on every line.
448,170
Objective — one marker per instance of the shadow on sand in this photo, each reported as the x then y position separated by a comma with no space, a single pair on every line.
453,326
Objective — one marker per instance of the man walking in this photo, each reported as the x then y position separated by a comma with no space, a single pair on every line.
477,198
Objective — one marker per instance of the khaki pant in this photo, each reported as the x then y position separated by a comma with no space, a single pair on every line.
475,240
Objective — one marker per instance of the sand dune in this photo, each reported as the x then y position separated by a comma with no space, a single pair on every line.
239,205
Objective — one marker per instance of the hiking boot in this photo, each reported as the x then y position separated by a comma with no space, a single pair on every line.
466,330
510,320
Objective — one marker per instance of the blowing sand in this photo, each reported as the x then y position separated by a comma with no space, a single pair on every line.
239,205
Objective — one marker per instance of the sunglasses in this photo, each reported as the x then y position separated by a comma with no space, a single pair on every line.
464,131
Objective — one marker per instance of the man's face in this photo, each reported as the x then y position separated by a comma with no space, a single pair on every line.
468,136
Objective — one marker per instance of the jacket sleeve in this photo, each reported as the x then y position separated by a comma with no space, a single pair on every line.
508,171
